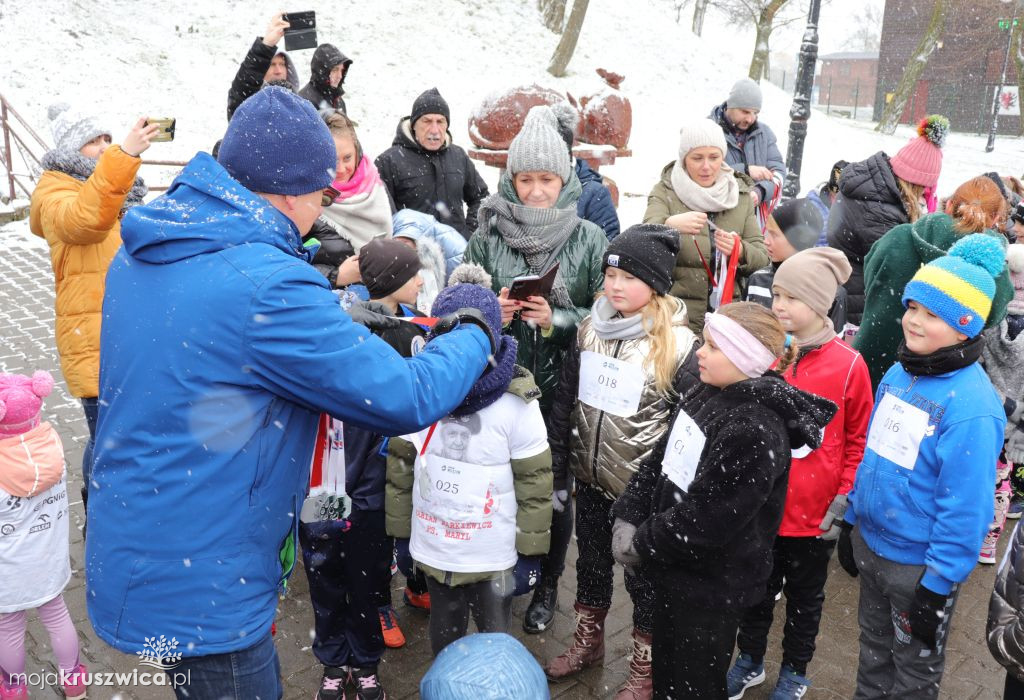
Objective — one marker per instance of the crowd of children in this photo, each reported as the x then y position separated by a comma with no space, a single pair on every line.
720,457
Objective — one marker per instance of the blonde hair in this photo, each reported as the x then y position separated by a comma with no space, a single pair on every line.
661,361
762,324
340,125
910,194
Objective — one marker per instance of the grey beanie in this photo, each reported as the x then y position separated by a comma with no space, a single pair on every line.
538,147
72,129
745,94
699,133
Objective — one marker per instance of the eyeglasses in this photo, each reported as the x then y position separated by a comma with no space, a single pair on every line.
329,195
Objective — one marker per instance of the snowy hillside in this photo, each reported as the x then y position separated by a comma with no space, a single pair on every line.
126,59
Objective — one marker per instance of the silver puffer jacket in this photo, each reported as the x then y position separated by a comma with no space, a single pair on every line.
1005,629
600,448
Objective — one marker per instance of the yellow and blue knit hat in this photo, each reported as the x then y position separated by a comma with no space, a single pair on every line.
959,286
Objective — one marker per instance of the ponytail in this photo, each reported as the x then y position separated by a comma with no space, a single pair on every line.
976,205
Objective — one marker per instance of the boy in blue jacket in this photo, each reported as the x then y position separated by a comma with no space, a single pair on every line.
921,503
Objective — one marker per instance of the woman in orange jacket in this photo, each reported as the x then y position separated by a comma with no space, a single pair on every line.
77,207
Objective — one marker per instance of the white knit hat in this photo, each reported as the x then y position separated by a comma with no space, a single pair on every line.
72,129
538,147
699,133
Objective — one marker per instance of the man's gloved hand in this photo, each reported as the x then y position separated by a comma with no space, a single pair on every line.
622,543
465,315
374,315
833,517
403,559
526,574
927,612
1015,445
559,498
844,550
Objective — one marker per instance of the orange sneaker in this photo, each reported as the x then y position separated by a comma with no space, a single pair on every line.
393,637
416,600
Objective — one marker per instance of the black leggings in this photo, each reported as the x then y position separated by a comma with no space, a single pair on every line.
490,602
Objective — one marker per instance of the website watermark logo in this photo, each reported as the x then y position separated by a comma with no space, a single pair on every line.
159,653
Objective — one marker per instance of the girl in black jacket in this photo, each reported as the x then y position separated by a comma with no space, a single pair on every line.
701,514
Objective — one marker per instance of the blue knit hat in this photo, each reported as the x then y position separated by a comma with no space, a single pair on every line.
959,286
494,666
469,296
277,143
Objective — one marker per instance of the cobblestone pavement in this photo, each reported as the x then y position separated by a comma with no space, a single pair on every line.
27,343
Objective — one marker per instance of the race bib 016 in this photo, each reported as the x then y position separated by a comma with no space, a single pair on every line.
897,430
610,385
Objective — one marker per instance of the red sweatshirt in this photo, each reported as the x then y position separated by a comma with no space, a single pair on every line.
837,372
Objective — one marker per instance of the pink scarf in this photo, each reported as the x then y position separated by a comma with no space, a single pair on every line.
363,180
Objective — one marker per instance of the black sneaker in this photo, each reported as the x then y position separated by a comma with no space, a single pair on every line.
541,610
367,684
332,685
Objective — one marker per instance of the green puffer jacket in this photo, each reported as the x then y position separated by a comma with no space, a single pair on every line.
690,279
893,261
531,481
581,265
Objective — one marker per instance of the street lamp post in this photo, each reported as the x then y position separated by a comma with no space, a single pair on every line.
1008,26
800,112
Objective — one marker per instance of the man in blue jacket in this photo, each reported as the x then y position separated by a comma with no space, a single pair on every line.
221,346
752,146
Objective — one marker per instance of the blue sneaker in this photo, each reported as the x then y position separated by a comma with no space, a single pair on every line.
791,685
743,674
1016,509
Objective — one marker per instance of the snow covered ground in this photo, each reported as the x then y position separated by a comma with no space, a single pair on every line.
124,59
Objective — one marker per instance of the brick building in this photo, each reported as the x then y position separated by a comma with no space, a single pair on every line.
960,78
847,78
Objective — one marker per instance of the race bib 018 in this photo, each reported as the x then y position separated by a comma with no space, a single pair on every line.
610,385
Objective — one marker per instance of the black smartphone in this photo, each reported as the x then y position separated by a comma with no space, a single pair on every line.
301,31
166,124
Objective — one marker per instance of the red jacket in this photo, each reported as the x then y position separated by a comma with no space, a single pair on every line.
837,372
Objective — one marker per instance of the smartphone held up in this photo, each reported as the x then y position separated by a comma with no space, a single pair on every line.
301,31
166,128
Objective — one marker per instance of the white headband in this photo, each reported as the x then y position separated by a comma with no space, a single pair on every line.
741,347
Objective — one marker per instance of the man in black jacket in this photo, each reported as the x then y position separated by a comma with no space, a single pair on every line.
263,64
327,72
425,171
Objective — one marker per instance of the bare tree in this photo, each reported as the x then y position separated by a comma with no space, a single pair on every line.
699,9
553,12
867,30
766,16
567,44
915,66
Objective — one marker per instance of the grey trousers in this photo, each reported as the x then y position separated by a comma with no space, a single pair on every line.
894,664
490,602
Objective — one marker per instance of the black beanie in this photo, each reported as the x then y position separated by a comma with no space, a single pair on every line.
385,265
800,221
646,251
430,102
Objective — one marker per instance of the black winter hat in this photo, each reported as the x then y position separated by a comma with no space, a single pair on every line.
430,102
646,251
385,265
800,221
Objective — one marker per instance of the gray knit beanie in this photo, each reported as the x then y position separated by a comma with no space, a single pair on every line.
72,129
538,147
699,133
745,94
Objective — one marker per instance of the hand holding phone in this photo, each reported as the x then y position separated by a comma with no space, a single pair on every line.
275,30
139,138
301,31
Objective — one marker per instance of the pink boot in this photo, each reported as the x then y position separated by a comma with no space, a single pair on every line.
13,692
74,683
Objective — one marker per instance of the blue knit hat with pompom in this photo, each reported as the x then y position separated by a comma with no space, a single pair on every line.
959,286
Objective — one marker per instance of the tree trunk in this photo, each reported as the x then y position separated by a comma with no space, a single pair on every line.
698,16
567,44
1017,47
553,12
918,60
765,24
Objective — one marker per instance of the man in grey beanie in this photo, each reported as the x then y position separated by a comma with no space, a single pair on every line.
752,146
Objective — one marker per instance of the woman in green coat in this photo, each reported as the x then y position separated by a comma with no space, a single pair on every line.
977,206
525,228
697,189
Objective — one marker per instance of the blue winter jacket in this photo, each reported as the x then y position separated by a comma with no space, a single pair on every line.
815,198
759,148
937,513
221,346
410,223
595,202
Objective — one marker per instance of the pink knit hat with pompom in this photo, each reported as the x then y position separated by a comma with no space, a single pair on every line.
920,161
21,399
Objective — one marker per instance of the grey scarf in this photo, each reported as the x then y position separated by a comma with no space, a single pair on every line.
610,326
74,164
1003,359
539,234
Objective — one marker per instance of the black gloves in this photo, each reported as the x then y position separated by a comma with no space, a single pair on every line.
927,612
374,315
844,550
465,315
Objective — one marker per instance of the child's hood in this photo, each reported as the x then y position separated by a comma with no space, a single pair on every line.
805,415
524,385
32,462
